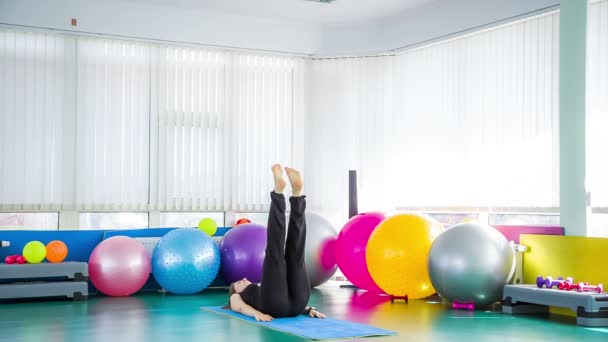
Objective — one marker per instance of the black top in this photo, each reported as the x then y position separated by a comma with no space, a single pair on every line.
251,296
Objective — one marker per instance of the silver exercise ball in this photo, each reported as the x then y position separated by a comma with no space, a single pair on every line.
471,263
320,244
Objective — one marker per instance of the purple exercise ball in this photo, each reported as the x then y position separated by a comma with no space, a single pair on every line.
119,266
242,253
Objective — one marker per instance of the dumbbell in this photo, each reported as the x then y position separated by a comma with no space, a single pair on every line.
572,286
549,282
10,259
584,287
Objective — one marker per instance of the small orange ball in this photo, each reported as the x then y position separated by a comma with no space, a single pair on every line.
242,221
56,251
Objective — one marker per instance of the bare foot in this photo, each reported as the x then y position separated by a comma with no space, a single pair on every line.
279,182
296,181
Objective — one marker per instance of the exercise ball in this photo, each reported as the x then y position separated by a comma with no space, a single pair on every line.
208,226
185,261
397,254
471,263
320,249
34,252
243,251
56,251
351,246
119,266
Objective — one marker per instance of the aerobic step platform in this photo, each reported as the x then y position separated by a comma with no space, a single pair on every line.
591,308
44,280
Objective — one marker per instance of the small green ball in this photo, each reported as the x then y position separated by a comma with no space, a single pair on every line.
34,252
208,226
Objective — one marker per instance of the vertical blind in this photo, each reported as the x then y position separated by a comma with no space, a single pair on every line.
597,102
223,119
478,123
261,111
36,82
113,101
189,94
471,121
346,129
135,126
96,124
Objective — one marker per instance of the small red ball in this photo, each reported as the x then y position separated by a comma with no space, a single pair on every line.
20,259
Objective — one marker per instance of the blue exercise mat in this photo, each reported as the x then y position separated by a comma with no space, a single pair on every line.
311,328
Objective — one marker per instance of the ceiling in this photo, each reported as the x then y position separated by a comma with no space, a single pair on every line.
340,11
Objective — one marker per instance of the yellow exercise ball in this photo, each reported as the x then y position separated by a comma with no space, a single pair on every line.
397,254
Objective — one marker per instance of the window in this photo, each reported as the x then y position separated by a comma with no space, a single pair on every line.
184,219
29,221
110,221
107,125
597,116
112,132
223,119
36,82
597,102
465,122
189,95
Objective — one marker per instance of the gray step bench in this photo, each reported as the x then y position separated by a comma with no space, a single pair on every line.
69,270
44,280
591,308
76,290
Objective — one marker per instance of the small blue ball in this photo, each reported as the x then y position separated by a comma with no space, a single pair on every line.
185,261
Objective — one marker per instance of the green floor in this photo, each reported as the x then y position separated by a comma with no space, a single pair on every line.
157,317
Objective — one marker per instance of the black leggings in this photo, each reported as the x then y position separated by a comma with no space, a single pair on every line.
285,287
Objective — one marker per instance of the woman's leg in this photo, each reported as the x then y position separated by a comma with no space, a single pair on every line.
297,277
273,289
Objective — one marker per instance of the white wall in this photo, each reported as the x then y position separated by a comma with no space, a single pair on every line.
352,39
436,19
164,23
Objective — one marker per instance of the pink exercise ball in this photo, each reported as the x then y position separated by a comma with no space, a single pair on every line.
351,246
119,266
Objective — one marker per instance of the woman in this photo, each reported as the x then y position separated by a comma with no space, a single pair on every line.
285,287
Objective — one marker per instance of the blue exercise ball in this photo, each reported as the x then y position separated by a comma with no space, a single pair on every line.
185,261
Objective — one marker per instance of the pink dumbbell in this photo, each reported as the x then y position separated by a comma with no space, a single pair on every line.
584,287
573,286
463,306
10,259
